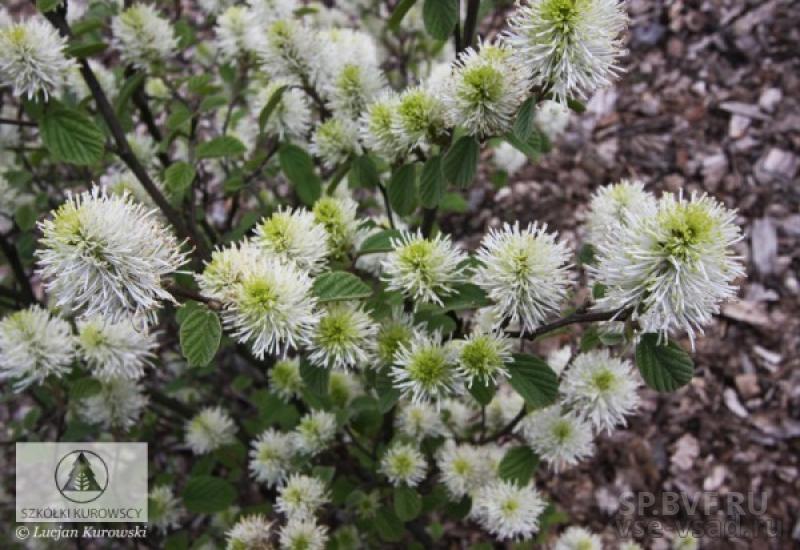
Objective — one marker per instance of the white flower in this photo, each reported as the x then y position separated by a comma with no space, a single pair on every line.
561,438
525,272
403,465
685,541
394,332
144,147
285,380
142,36
482,357
559,358
119,403
334,141
251,533
551,117
425,370
630,545
464,468
673,268
212,7
32,58
106,255
424,270
577,538
303,534
291,117
418,420
294,236
459,415
104,75
266,11
209,430
301,496
120,180
503,408
343,387
115,349
270,457
287,49
485,90
271,308
164,510
315,432
344,337
340,218
612,206
509,158
507,510
33,346
602,388
226,270
9,198
231,30
418,118
354,86
377,127
570,47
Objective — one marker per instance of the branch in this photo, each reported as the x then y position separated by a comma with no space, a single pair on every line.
470,23
10,252
573,319
14,122
507,429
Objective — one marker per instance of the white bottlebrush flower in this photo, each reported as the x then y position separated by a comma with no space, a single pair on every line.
459,415
424,270
142,36
525,272
482,357
485,90
33,346
562,439
301,496
315,432
344,337
285,380
231,32
673,268
32,58
463,468
551,117
418,420
106,255
287,49
339,216
227,268
213,7
164,509
377,127
403,464
601,388
294,236
271,309
611,207
252,532
577,538
418,118
303,534
570,47
115,349
559,358
119,404
685,541
144,147
394,332
266,11
291,118
104,75
343,387
508,158
354,86
209,430
425,370
630,545
270,457
507,510
120,180
334,141
503,408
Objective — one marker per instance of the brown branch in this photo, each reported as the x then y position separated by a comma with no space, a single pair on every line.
14,262
470,23
573,319
14,122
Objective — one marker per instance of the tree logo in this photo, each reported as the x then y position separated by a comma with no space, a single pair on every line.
81,476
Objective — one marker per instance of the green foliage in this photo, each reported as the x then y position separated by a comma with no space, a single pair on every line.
432,183
178,179
336,286
399,13
461,162
534,380
71,136
205,494
222,146
268,109
403,189
665,367
407,503
518,465
379,242
299,169
200,335
440,17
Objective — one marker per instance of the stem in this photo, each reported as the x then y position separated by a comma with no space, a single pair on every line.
14,122
170,403
14,262
575,318
387,206
428,219
507,429
470,23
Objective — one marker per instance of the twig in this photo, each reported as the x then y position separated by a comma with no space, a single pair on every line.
470,23
575,318
14,122
10,252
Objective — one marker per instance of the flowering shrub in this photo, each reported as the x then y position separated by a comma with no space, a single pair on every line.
221,233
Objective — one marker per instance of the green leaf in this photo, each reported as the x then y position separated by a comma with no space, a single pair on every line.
25,216
126,92
664,367
178,178
200,336
483,392
299,169
88,49
467,296
222,146
533,380
399,13
379,242
268,109
431,182
590,339
586,254
461,161
212,102
403,190
523,125
336,286
518,465
407,503
388,395
208,494
83,388
576,106
440,17
315,378
178,116
47,5
71,136
532,148
364,173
